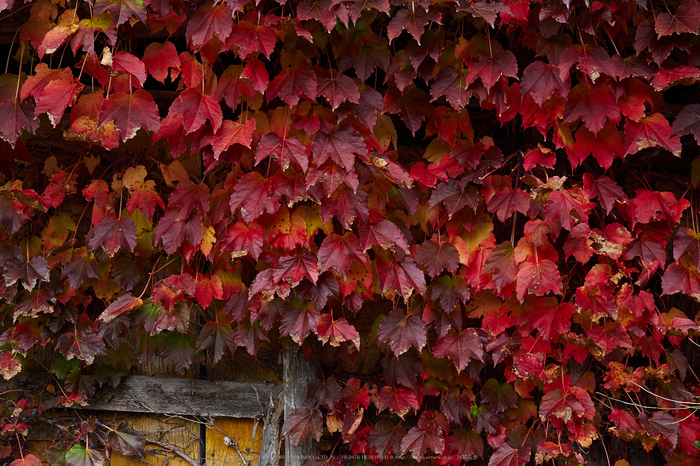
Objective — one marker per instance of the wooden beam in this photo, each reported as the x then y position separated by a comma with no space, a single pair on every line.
298,372
165,395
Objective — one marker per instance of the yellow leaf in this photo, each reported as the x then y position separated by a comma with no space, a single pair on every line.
208,240
133,175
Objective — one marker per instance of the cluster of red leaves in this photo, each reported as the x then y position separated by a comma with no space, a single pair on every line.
293,201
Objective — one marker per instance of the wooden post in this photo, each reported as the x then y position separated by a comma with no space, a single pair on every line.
297,373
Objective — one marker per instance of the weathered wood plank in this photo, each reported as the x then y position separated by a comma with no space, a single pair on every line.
165,395
298,372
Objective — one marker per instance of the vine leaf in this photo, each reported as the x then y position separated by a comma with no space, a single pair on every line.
460,347
301,424
209,21
401,331
113,234
130,112
126,441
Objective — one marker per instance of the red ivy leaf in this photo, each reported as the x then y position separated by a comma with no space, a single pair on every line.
401,331
418,441
122,10
338,252
541,80
337,331
605,189
113,234
303,423
125,303
460,347
230,133
196,108
209,21
130,112
159,58
438,257
412,105
293,83
651,131
508,455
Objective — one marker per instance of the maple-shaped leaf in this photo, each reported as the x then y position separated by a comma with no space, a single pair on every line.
283,150
490,69
508,455
130,112
688,122
501,262
292,83
399,400
401,331
594,104
385,438
337,331
179,350
568,207
538,278
15,117
384,234
610,336
507,201
10,365
188,197
338,88
245,239
454,198
56,97
196,108
80,267
605,146
216,337
686,241
173,230
661,423
418,441
303,423
126,441
541,156
686,19
413,20
412,105
257,74
79,455
253,36
438,257
341,146
451,83
651,131
130,64
460,347
681,277
85,345
209,21
252,194
230,133
30,272
327,12
449,291
294,268
159,58
605,189
208,288
125,303
592,60
500,397
337,252
113,234
551,318
541,80
122,10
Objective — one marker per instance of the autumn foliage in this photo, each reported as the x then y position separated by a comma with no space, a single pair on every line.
506,189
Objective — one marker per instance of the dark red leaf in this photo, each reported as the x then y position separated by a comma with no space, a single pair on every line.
113,234
401,331
460,347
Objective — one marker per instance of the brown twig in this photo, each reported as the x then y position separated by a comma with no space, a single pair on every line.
174,449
